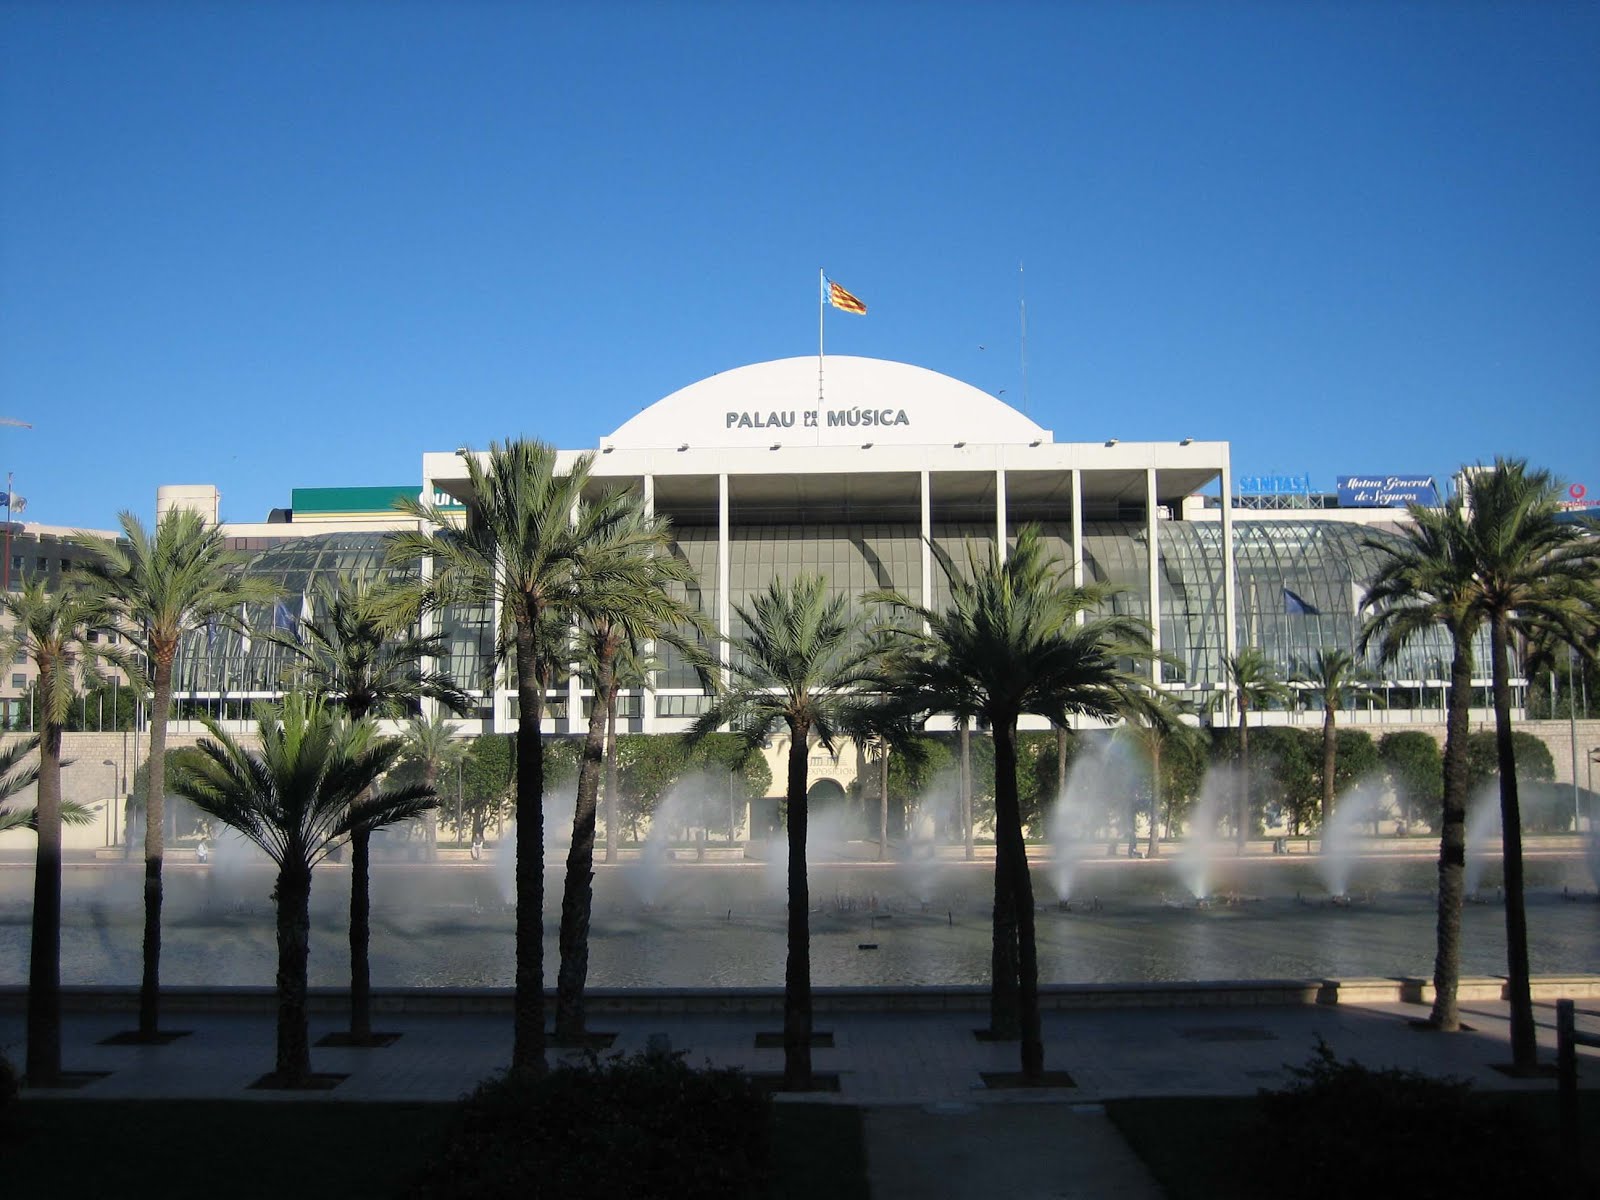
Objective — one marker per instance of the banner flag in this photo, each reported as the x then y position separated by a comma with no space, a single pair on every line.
1295,603
842,299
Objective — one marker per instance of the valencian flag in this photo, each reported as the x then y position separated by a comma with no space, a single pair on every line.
840,298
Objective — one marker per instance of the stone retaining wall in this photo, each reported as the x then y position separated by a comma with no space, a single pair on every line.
769,1001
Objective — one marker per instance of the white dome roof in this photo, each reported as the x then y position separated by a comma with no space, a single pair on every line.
863,399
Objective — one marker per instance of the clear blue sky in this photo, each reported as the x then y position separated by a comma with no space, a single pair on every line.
281,245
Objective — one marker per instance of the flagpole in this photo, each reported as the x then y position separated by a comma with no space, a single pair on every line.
822,292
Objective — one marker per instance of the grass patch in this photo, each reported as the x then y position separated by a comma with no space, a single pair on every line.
1191,1145
245,1150
818,1150
311,1150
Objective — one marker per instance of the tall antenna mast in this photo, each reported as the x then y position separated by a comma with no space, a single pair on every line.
1022,304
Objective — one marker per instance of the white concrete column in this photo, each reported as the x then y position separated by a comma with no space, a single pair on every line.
647,699
575,721
927,541
1000,511
1153,548
428,626
723,543
1230,637
1077,536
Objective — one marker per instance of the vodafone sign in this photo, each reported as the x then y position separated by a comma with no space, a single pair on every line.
1577,499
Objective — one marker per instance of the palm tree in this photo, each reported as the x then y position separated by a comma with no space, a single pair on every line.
1425,582
51,628
1255,683
798,667
1538,578
431,743
1009,643
1333,676
181,579
15,775
358,654
527,534
307,789
633,668
883,731
1155,725
627,604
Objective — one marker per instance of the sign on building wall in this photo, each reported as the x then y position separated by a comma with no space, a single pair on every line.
1387,491
1273,485
840,401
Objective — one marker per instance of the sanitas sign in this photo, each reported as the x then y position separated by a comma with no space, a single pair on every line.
834,418
1387,491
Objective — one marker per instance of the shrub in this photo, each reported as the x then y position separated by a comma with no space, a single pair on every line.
651,765
1416,772
1546,807
1483,758
644,1126
1355,757
1342,1129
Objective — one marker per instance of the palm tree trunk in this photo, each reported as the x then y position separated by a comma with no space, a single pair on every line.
1011,847
797,974
1330,749
1154,848
360,937
360,920
883,805
430,778
527,1041
1524,1044
1061,761
43,1067
966,788
1242,816
577,897
293,898
1446,1015
154,849
613,834
1005,1014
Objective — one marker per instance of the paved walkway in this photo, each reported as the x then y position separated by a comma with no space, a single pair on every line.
933,1128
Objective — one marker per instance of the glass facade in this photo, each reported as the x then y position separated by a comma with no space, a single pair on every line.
220,661
1299,588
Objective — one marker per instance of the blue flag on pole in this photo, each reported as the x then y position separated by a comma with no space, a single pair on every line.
1294,603
282,618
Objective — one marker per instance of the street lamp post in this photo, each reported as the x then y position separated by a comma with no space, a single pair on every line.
111,805
1572,719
